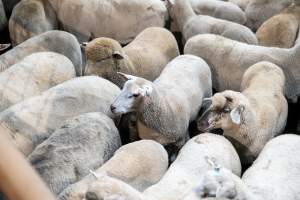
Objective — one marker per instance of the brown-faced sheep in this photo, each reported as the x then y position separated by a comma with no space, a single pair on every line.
251,118
145,56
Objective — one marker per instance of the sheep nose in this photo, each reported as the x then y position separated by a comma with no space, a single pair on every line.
91,196
112,108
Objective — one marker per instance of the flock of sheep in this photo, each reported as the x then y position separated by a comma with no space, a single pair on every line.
106,104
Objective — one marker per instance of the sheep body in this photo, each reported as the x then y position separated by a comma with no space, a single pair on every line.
33,75
280,30
139,164
181,176
273,176
56,41
191,163
166,106
145,56
258,11
254,116
81,18
191,24
30,122
219,9
229,60
81,144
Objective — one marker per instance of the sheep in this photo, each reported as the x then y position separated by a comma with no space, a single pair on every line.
56,41
81,18
258,11
219,9
181,176
145,56
33,75
229,60
30,122
166,106
273,176
252,117
81,144
30,18
280,30
191,24
140,164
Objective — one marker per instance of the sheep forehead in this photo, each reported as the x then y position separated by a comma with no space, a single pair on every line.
219,99
133,85
101,48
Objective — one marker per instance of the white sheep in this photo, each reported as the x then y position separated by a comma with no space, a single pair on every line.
281,30
139,164
56,41
145,56
229,60
81,144
31,121
258,11
273,176
166,106
181,176
219,9
33,75
252,117
191,24
241,3
121,20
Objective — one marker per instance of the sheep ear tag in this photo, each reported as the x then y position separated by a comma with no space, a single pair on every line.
235,116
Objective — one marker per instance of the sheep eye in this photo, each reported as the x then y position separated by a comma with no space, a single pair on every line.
134,95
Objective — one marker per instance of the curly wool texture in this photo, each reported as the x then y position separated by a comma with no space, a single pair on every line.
81,144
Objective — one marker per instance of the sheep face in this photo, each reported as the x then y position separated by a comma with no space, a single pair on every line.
216,183
103,57
225,112
103,190
132,95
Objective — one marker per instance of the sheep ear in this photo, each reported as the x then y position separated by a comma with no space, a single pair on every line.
126,76
235,115
146,90
3,47
118,55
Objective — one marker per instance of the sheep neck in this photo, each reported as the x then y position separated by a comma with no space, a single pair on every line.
183,11
153,114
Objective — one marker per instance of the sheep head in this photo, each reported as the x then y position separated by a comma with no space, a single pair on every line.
102,55
226,111
217,182
134,92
